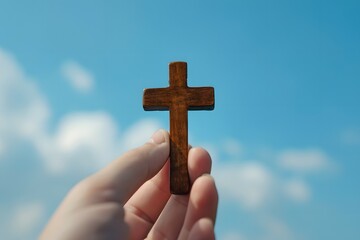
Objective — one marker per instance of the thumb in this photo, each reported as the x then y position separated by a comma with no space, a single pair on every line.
126,174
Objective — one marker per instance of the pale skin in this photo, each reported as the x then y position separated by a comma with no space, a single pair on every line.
130,199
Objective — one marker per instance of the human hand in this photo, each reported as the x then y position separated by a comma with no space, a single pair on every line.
130,199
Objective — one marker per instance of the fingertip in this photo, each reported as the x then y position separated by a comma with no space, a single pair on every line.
203,229
160,136
199,162
204,193
205,224
205,186
201,151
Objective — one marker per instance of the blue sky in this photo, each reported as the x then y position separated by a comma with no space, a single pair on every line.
284,135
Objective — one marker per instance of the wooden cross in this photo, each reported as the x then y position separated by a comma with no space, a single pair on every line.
178,98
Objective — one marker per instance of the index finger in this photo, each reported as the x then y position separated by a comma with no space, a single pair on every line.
125,175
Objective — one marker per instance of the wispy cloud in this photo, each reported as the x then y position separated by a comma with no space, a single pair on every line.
308,160
79,78
249,183
255,184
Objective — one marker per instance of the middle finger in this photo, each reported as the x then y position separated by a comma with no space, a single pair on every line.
175,209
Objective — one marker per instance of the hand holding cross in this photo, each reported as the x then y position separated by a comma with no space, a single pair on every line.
178,98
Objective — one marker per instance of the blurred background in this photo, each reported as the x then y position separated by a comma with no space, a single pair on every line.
284,135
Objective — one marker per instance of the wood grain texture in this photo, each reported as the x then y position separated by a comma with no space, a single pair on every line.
178,98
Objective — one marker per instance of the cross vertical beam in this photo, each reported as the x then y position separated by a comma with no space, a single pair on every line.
178,98
179,147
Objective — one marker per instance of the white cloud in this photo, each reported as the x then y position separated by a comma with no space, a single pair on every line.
78,77
304,160
256,187
80,129
24,111
249,183
297,190
25,218
82,140
90,140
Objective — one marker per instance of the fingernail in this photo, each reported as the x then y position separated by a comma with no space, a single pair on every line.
158,137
